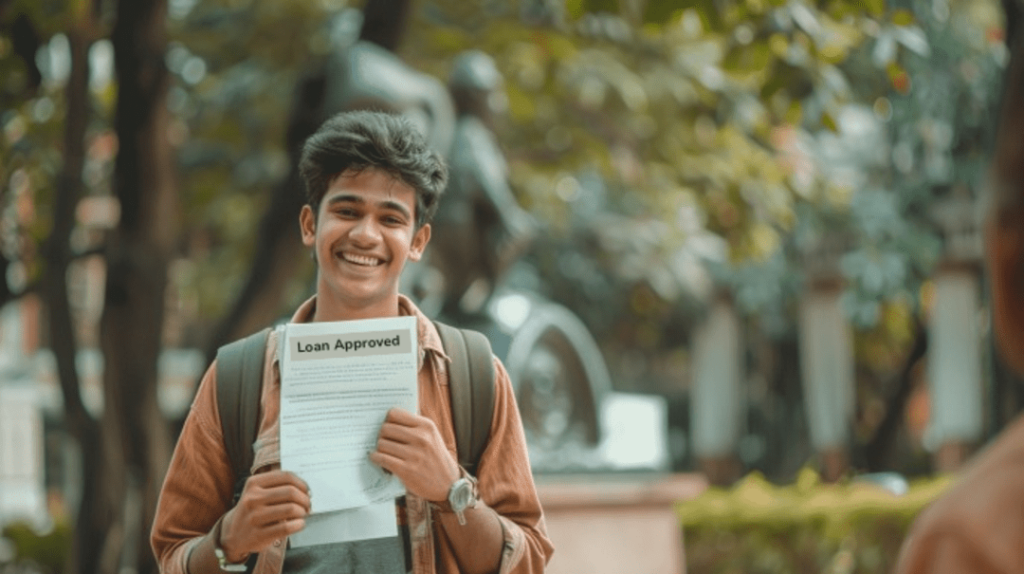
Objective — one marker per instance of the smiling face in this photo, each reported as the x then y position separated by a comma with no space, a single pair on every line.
362,236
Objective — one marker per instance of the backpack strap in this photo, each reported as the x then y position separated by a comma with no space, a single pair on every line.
239,383
471,386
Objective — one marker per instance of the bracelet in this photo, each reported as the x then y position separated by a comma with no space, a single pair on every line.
222,559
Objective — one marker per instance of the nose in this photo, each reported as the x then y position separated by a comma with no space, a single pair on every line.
366,231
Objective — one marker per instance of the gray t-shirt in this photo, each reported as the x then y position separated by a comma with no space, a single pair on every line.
376,556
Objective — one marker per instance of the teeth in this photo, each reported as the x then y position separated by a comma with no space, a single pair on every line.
360,259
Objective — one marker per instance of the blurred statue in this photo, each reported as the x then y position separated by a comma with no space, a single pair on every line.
558,371
481,228
362,75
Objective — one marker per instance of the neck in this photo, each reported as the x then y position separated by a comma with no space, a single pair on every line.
327,310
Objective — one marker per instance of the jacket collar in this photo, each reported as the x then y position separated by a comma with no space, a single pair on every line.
426,334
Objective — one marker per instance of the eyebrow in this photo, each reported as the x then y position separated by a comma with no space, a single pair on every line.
357,199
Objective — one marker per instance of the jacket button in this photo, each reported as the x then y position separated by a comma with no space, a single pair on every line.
277,543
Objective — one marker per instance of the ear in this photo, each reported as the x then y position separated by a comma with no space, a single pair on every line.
307,224
1004,243
419,242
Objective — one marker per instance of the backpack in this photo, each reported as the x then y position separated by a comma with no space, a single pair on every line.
470,382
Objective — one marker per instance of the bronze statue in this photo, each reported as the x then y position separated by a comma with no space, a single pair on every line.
480,230
481,227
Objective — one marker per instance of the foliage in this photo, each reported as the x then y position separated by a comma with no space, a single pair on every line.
651,143
45,552
236,66
806,527
668,151
672,152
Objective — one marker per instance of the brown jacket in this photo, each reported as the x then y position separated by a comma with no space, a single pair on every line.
978,526
198,488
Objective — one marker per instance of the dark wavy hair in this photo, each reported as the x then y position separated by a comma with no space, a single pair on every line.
359,140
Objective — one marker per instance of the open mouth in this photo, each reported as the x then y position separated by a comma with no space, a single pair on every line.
363,260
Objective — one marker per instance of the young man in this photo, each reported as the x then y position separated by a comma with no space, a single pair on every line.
372,187
978,526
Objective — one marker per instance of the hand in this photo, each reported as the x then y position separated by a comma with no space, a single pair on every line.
411,447
273,505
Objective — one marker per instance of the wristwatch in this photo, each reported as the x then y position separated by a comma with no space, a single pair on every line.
461,496
226,566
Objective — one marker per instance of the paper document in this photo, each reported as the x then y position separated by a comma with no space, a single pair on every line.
364,523
338,381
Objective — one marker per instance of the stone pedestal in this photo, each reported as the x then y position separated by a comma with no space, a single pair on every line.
610,524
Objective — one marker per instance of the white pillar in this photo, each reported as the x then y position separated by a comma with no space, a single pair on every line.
715,399
22,492
954,359
826,368
12,343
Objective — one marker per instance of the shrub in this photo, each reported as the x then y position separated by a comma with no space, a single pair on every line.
45,552
808,527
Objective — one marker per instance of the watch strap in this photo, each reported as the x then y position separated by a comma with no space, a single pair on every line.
446,504
226,566
222,559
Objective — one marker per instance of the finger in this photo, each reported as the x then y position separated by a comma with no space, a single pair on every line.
386,461
267,517
295,480
401,416
397,433
278,495
280,503
294,525
393,448
418,430
266,535
274,478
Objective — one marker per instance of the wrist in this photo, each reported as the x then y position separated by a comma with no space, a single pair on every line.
229,559
463,494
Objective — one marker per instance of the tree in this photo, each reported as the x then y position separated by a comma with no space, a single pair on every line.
124,451
654,139
649,138
98,510
138,254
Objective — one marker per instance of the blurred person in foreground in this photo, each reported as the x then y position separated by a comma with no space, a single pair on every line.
372,186
978,526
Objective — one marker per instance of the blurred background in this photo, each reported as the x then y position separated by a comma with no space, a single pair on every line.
730,250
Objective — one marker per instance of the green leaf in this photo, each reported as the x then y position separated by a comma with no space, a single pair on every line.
829,122
903,18
875,8
575,8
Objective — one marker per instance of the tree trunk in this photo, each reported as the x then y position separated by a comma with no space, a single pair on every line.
138,255
98,508
878,450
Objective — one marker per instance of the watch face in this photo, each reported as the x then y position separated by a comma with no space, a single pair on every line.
461,496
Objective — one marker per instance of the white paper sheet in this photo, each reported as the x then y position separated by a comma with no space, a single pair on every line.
338,380
363,523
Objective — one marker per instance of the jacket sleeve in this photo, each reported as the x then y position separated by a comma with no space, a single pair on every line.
947,552
506,485
198,487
